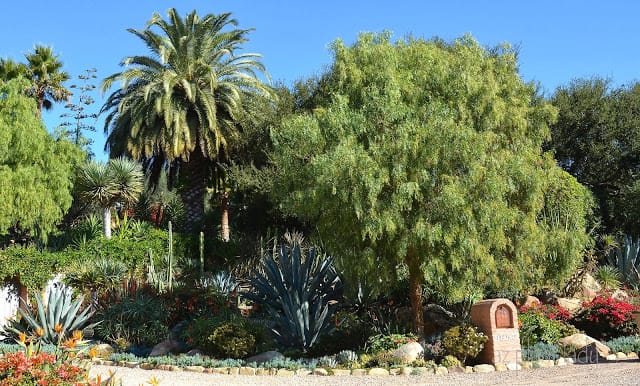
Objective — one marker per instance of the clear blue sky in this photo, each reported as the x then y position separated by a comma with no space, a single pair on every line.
559,40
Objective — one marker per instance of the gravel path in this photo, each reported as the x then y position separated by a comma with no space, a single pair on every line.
608,373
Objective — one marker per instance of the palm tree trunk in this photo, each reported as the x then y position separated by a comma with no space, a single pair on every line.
224,221
23,293
106,222
415,291
194,177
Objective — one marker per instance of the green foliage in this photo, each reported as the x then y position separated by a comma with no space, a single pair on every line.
625,344
36,169
626,259
595,139
232,340
34,267
541,350
378,343
139,318
464,342
536,327
609,277
427,155
451,361
55,321
347,357
299,288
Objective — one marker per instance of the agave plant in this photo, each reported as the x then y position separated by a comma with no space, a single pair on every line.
57,320
222,282
300,289
626,258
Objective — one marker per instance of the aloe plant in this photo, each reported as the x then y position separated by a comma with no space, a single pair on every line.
300,289
55,321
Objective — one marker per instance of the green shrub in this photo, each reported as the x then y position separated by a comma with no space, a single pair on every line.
232,340
540,351
464,342
537,326
451,361
139,318
378,343
625,344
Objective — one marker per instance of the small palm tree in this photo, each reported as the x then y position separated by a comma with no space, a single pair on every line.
46,77
119,180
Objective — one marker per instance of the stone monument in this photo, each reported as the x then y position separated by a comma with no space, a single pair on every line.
498,320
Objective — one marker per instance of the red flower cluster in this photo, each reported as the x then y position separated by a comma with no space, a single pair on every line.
39,369
553,312
608,309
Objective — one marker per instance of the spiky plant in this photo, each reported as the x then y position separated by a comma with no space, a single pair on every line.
300,288
609,277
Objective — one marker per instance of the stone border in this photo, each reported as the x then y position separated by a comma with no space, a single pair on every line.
400,371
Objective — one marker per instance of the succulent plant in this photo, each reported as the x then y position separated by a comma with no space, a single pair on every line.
626,258
300,288
55,321
346,357
328,361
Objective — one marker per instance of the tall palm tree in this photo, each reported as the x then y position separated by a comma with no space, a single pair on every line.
119,181
178,107
46,77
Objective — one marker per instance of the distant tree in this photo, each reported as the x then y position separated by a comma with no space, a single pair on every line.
426,158
80,119
10,69
597,139
120,180
36,169
178,107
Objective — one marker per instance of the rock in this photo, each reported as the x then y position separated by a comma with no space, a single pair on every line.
581,341
542,363
526,364
394,371
572,305
442,370
513,366
621,355
166,347
377,371
265,357
409,352
147,366
590,287
530,301
194,352
194,369
468,369
456,369
103,350
263,371
406,371
285,372
234,370
247,371
359,372
561,362
501,367
321,372
436,319
341,372
611,357
620,295
131,365
632,355
569,361
548,297
422,371
220,370
483,368
303,372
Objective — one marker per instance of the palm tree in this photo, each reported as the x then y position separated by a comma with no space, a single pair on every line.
119,181
46,77
178,108
10,69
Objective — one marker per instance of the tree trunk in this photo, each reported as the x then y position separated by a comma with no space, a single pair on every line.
415,291
224,221
193,180
23,293
106,222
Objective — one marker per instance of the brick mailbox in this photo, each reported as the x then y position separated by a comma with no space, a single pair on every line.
498,320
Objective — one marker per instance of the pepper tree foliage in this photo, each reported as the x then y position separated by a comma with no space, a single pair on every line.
36,169
427,155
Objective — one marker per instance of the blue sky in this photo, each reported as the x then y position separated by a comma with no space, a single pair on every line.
559,40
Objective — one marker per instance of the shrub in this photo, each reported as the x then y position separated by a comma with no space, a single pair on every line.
540,351
625,344
464,342
379,343
451,361
546,324
433,348
606,317
232,340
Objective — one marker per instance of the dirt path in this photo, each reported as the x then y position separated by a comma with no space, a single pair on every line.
609,373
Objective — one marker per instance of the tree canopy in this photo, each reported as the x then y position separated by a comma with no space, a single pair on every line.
427,155
36,169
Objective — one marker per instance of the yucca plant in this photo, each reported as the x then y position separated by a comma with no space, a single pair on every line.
57,320
300,289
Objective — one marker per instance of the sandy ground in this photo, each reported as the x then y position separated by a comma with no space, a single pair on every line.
608,373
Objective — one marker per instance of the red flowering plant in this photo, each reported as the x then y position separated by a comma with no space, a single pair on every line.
606,317
543,323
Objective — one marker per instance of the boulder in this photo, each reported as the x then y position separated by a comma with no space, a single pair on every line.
437,319
572,305
529,301
585,345
590,287
166,347
620,295
409,352
103,350
194,352
267,356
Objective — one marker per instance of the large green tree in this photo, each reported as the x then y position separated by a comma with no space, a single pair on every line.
427,155
178,107
597,139
36,169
